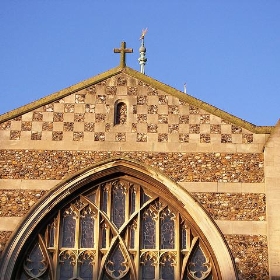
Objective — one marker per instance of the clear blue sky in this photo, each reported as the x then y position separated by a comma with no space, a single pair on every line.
227,51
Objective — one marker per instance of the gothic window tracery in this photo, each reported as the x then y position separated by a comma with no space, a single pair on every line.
118,229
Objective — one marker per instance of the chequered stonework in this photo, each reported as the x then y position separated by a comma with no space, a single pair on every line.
91,114
123,117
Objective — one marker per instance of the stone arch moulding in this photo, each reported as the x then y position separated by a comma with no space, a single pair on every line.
70,188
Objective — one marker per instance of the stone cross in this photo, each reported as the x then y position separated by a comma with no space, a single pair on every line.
123,51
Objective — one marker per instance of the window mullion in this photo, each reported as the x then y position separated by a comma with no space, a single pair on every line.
137,244
109,201
77,241
127,199
57,241
157,243
177,237
97,233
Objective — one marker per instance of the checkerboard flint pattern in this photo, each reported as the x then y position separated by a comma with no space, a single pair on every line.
151,116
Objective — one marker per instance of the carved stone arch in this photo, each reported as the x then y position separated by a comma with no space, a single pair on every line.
207,242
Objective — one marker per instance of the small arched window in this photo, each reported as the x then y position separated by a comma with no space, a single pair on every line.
121,113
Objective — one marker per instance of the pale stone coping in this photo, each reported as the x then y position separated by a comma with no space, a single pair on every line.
19,184
221,187
131,147
243,227
9,223
272,163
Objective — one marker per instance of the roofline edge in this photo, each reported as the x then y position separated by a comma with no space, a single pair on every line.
153,82
199,103
59,94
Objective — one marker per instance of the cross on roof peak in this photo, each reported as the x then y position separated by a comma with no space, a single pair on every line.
123,50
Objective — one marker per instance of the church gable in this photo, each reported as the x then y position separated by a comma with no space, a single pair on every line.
124,107
93,129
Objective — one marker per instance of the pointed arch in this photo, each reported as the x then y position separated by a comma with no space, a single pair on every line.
159,201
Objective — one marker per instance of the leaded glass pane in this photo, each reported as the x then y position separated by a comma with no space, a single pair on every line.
68,228
92,197
148,230
132,237
35,263
167,229
132,200
183,237
103,236
198,265
104,198
67,261
148,271
86,260
148,266
43,277
116,265
167,263
118,204
144,197
52,228
87,228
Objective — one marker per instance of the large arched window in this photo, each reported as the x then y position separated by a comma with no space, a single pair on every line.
121,228
117,219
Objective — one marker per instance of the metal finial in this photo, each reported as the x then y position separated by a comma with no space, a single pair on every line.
185,88
142,59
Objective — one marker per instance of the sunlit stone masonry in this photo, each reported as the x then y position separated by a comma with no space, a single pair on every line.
123,177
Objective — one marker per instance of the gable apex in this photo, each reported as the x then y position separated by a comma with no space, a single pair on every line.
147,81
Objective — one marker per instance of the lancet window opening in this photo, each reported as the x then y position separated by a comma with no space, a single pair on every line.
120,113
118,229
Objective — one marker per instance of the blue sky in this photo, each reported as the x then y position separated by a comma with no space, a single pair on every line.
227,51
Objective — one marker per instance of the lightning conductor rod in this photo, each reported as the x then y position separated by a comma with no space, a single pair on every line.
142,59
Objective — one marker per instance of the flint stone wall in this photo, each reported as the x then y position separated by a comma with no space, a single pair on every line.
17,203
234,206
180,167
251,255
